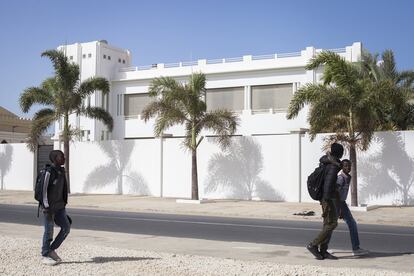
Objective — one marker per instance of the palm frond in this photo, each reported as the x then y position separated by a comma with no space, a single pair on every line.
337,70
161,108
368,65
165,121
87,87
67,73
388,65
34,95
45,112
163,85
198,83
99,114
406,78
223,123
305,95
43,120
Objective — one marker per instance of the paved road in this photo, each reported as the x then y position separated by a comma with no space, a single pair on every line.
379,238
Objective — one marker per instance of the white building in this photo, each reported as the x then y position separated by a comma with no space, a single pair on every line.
259,88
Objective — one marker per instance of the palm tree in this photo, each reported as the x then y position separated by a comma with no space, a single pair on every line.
177,103
399,108
345,103
63,94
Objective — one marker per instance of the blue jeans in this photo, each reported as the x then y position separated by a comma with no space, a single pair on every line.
350,221
61,219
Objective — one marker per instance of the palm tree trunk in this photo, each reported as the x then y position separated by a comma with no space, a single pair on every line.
194,178
354,180
66,147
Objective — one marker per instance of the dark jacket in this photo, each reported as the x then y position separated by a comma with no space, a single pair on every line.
55,189
332,167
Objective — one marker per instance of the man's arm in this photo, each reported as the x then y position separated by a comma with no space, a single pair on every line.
45,186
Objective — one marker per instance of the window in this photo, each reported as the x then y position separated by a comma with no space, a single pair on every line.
71,57
119,60
104,56
86,135
89,55
276,97
135,103
123,61
109,57
84,56
225,98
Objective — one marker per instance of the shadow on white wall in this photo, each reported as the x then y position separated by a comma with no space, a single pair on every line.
237,169
117,170
389,170
6,155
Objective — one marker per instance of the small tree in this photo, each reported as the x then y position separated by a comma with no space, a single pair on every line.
177,103
346,104
397,109
63,94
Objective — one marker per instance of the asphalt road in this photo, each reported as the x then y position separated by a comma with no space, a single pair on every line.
380,238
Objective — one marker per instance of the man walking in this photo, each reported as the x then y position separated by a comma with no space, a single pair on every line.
331,161
55,198
343,181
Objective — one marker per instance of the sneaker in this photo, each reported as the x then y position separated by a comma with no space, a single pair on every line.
48,261
54,256
315,252
360,252
329,256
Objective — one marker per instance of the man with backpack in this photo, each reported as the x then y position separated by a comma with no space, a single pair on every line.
331,166
52,193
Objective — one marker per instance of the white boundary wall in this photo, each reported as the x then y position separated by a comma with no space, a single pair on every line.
16,167
270,167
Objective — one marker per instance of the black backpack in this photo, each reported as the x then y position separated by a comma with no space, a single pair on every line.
38,190
315,182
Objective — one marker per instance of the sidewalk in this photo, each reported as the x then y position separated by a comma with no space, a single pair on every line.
102,253
230,208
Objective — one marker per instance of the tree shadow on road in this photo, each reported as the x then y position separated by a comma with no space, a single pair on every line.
101,260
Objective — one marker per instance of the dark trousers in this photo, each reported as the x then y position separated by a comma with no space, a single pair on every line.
330,221
61,219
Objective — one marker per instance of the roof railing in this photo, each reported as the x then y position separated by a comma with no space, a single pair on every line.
223,60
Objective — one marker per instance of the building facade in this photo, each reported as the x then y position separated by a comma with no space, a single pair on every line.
258,88
13,129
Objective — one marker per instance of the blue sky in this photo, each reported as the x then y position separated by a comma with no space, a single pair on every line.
169,31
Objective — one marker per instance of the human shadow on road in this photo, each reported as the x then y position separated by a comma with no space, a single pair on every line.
101,260
373,255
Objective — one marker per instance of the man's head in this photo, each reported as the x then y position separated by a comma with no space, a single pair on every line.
57,157
346,166
337,150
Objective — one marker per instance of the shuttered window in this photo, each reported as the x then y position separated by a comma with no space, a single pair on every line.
276,97
225,98
135,103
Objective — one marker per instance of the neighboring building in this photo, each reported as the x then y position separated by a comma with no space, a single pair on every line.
12,128
259,88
